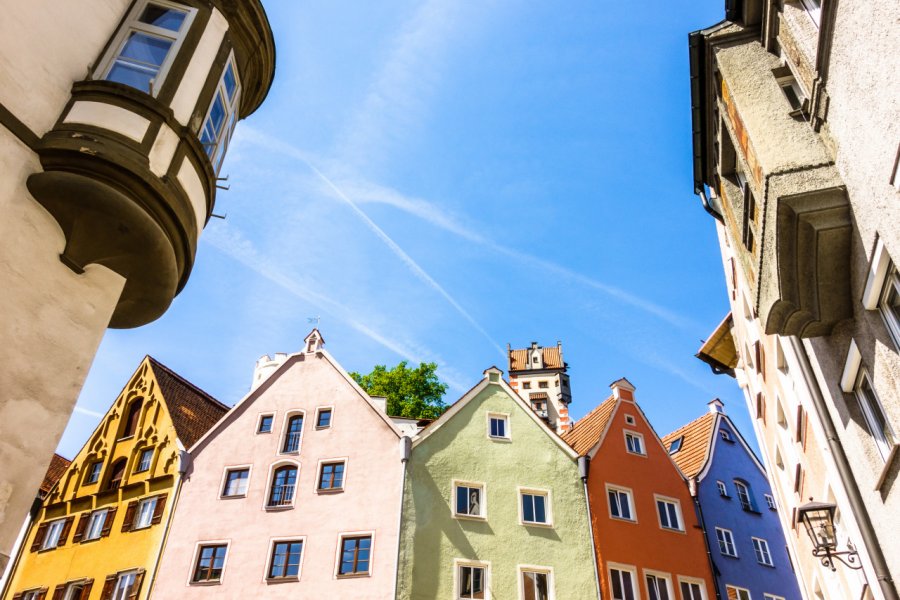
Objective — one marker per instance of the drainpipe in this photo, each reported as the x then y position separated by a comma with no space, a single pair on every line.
882,573
405,453
583,469
701,191
184,464
693,485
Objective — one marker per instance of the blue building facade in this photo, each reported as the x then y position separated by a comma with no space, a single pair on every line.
737,509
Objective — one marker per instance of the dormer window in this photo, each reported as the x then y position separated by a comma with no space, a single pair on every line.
222,117
146,45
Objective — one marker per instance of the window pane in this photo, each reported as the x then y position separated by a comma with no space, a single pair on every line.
462,500
540,515
324,418
229,81
145,49
528,507
132,75
159,16
625,508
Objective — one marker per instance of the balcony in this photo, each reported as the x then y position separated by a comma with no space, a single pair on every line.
281,496
291,443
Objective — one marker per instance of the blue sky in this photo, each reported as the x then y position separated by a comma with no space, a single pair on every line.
438,179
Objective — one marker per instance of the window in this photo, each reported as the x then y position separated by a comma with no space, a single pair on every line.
131,422
146,45
889,303
74,591
285,560
620,503
542,385
691,590
736,593
331,476
469,500
814,8
761,547
743,494
669,514
874,415
535,585
265,424
657,587
725,435
675,446
34,595
498,426
54,532
292,435
723,491
283,481
355,553
145,512
772,597
726,542
471,582
127,585
534,508
210,563
629,419
634,443
622,585
792,91
323,418
526,385
770,500
222,116
93,472
236,481
144,460
95,525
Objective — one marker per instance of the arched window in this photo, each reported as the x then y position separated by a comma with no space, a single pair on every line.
131,421
284,481
116,472
292,434
743,494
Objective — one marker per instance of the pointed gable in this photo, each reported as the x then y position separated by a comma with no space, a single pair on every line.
588,431
695,444
57,468
193,411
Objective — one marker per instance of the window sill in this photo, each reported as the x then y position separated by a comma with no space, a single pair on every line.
499,439
469,517
125,437
290,452
207,583
352,575
623,519
887,467
279,508
672,529
47,549
329,491
233,497
535,524
277,580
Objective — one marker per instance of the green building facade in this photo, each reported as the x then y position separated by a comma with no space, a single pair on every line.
493,506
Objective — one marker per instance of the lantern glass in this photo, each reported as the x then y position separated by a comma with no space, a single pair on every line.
819,523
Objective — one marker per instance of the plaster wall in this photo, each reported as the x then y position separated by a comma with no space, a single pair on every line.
201,62
432,538
370,501
642,544
52,322
731,461
40,59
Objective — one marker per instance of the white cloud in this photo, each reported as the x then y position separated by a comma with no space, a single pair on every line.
86,411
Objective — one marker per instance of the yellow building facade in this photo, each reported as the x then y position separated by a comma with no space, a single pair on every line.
99,532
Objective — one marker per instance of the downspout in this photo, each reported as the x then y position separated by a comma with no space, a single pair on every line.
583,469
693,486
870,540
184,463
701,191
405,453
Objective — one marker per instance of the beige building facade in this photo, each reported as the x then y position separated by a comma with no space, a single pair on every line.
796,124
114,118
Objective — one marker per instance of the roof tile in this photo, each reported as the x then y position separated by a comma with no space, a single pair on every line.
586,432
691,458
518,359
193,411
57,468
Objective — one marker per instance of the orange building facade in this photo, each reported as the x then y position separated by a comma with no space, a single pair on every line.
648,540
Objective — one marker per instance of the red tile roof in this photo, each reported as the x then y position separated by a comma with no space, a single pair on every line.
57,468
586,432
518,359
193,411
692,456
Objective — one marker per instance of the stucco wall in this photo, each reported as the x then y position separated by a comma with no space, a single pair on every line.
370,501
730,461
432,538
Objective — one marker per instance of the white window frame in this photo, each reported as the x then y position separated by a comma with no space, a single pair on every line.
339,550
132,24
282,539
96,520
458,563
739,592
51,535
891,284
232,108
548,571
127,578
632,572
789,81
886,446
761,549
139,514
548,511
629,494
723,489
666,578
32,594
344,460
745,499
319,410
629,420
768,596
701,586
74,589
678,515
676,444
770,501
228,469
140,460
634,435
506,430
196,556
271,478
482,515
814,10
725,539
284,432
259,419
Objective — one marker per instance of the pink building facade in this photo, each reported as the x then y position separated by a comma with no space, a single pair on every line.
295,493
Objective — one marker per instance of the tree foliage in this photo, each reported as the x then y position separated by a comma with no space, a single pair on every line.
411,393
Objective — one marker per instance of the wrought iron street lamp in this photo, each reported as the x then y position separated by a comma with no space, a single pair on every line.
818,519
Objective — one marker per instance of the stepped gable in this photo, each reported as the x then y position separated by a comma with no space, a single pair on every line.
587,430
694,452
193,411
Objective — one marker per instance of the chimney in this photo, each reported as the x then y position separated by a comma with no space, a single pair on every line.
623,389
716,406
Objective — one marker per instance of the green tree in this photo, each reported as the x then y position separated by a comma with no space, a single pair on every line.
411,393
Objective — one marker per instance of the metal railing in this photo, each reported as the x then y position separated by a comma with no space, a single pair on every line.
281,495
291,442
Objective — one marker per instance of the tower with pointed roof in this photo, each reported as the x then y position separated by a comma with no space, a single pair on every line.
540,376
